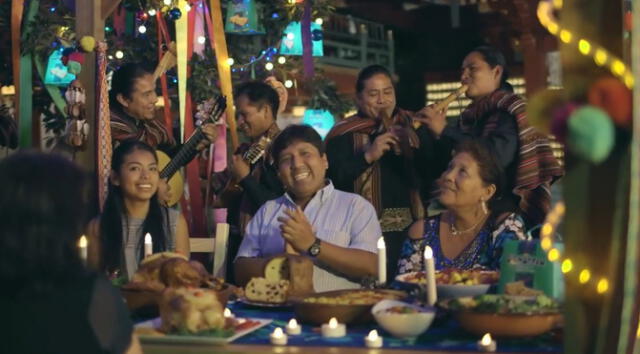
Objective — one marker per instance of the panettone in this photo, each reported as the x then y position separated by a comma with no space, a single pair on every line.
264,290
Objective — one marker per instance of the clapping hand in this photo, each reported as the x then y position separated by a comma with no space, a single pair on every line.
296,229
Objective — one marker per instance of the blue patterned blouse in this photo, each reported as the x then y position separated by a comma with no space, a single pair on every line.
483,252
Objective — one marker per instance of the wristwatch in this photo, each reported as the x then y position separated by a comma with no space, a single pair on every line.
314,250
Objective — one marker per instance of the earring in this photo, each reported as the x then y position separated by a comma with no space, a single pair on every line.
483,204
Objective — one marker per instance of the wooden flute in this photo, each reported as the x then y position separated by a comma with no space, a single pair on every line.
438,106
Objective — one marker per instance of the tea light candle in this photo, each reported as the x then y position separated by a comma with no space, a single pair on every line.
278,337
486,344
382,261
373,340
227,313
430,274
293,328
82,248
148,245
333,329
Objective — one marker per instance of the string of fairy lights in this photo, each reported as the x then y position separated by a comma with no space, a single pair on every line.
601,56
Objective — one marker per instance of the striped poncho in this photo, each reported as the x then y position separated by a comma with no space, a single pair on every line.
537,167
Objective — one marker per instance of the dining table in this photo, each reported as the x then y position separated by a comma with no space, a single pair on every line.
443,336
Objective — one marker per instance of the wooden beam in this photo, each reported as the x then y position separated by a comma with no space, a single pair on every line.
108,7
89,22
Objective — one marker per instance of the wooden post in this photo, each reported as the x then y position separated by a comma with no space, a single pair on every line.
90,16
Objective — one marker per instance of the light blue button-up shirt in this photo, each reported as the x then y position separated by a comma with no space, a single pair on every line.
337,217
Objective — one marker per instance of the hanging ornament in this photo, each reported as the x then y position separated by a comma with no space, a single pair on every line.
142,15
291,43
242,18
57,72
175,14
319,119
316,35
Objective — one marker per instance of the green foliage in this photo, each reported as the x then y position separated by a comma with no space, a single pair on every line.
325,96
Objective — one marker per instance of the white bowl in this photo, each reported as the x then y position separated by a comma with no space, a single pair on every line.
446,291
403,325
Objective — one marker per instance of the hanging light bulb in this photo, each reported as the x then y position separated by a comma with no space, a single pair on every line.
319,21
142,29
187,7
167,2
288,83
290,35
201,39
282,60
230,61
152,12
268,66
119,54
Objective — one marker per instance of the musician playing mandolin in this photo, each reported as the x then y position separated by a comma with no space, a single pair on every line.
132,99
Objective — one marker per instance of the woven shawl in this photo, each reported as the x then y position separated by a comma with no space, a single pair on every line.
537,167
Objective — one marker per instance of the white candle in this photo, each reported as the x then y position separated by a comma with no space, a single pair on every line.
333,329
227,313
148,245
293,328
430,274
82,248
278,337
373,340
382,261
486,344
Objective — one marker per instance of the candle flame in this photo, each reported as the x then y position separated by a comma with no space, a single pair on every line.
333,323
373,335
486,339
147,238
293,323
278,332
83,241
227,313
428,252
381,243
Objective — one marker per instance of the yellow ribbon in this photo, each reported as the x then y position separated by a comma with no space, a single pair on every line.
224,71
182,28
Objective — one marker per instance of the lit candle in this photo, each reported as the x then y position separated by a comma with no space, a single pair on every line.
373,340
227,313
486,344
82,247
334,329
382,261
148,245
430,274
293,328
278,337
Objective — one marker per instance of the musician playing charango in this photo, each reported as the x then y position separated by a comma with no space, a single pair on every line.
379,155
132,100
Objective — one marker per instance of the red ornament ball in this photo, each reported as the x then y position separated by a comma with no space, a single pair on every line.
614,97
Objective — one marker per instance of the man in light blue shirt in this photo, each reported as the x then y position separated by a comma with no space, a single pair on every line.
338,230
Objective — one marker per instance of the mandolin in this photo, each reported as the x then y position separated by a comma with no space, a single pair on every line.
210,111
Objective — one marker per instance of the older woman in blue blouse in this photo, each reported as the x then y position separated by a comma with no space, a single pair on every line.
471,231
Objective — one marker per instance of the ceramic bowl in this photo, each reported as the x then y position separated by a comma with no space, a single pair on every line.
318,313
507,325
403,325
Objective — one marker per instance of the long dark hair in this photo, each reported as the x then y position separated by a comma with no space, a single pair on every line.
43,204
494,57
115,215
123,80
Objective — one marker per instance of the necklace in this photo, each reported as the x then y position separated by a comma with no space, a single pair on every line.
456,232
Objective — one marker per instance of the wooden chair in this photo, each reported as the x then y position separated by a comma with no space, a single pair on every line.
216,245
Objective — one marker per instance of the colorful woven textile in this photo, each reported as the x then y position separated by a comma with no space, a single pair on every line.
103,131
537,167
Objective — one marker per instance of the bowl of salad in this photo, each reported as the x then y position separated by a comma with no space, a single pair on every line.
505,315
402,319
453,283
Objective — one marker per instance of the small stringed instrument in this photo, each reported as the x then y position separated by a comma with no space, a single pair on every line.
211,112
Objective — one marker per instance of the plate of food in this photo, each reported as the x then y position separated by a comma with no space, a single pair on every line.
195,316
453,283
347,306
168,270
506,315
